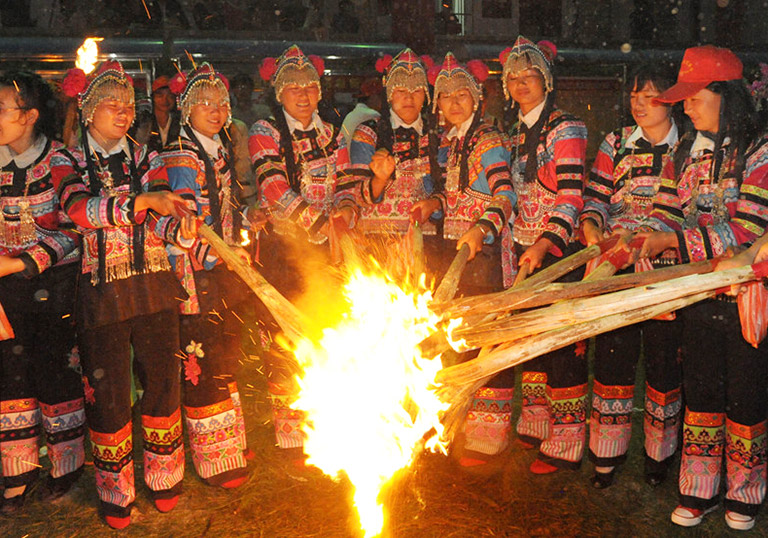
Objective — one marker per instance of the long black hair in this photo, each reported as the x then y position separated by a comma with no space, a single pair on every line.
286,143
385,138
533,135
660,76
34,93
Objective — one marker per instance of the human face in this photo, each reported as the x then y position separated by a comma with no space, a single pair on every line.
526,88
406,104
648,116
300,101
16,123
111,120
163,100
457,107
209,115
704,110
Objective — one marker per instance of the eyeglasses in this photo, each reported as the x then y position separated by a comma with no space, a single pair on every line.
211,105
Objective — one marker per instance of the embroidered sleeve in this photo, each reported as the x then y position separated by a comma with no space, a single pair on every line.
85,209
275,190
570,147
362,146
494,160
59,240
346,178
600,184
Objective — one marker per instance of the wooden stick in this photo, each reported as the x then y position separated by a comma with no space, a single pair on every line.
293,322
522,273
417,240
526,297
450,283
582,310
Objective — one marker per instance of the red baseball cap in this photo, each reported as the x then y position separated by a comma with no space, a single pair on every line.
160,82
701,66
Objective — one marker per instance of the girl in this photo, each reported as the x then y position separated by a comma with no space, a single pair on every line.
39,251
549,148
714,195
127,295
201,170
477,206
619,194
295,155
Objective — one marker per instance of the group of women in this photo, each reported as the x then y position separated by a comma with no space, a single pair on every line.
518,198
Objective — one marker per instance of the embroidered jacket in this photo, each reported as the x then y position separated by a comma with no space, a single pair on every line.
326,183
625,177
489,199
549,207
101,211
186,174
709,215
54,240
411,182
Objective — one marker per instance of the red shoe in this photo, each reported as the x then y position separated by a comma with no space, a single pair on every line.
166,505
542,467
465,461
118,522
525,445
234,483
249,454
689,517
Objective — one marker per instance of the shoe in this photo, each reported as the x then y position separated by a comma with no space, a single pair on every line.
118,522
465,461
249,454
229,479
54,488
739,522
525,445
12,505
166,505
603,479
690,517
541,467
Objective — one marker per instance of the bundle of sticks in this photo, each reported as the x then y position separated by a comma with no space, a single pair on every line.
537,316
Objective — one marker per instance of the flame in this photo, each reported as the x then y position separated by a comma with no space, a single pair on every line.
367,393
246,240
88,54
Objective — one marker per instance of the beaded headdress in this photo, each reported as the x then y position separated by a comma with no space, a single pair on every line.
197,87
453,76
406,70
292,67
524,54
109,81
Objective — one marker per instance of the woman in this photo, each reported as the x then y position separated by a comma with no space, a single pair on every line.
302,184
396,155
39,252
477,206
200,169
549,148
127,295
713,196
619,193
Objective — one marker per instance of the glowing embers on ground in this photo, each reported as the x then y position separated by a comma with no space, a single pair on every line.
367,393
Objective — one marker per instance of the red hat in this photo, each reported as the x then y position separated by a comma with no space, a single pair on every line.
160,82
702,66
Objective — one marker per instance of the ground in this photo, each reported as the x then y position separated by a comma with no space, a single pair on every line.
435,498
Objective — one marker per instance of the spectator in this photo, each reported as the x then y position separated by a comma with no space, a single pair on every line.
245,108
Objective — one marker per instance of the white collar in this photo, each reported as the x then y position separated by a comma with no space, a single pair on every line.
533,115
120,147
462,129
26,157
396,121
703,143
294,124
637,134
210,145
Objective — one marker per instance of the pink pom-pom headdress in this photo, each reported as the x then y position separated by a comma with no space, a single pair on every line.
524,54
292,67
200,85
109,81
453,77
406,70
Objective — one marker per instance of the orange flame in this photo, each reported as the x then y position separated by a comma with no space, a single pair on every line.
88,54
374,424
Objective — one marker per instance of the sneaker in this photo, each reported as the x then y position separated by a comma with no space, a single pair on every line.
739,522
690,517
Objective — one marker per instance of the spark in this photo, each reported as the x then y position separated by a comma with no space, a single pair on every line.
176,65
141,67
132,139
149,15
65,316
191,59
16,86
238,318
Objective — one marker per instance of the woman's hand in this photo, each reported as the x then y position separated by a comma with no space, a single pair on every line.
473,238
383,166
654,243
423,209
162,202
592,232
534,255
10,265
